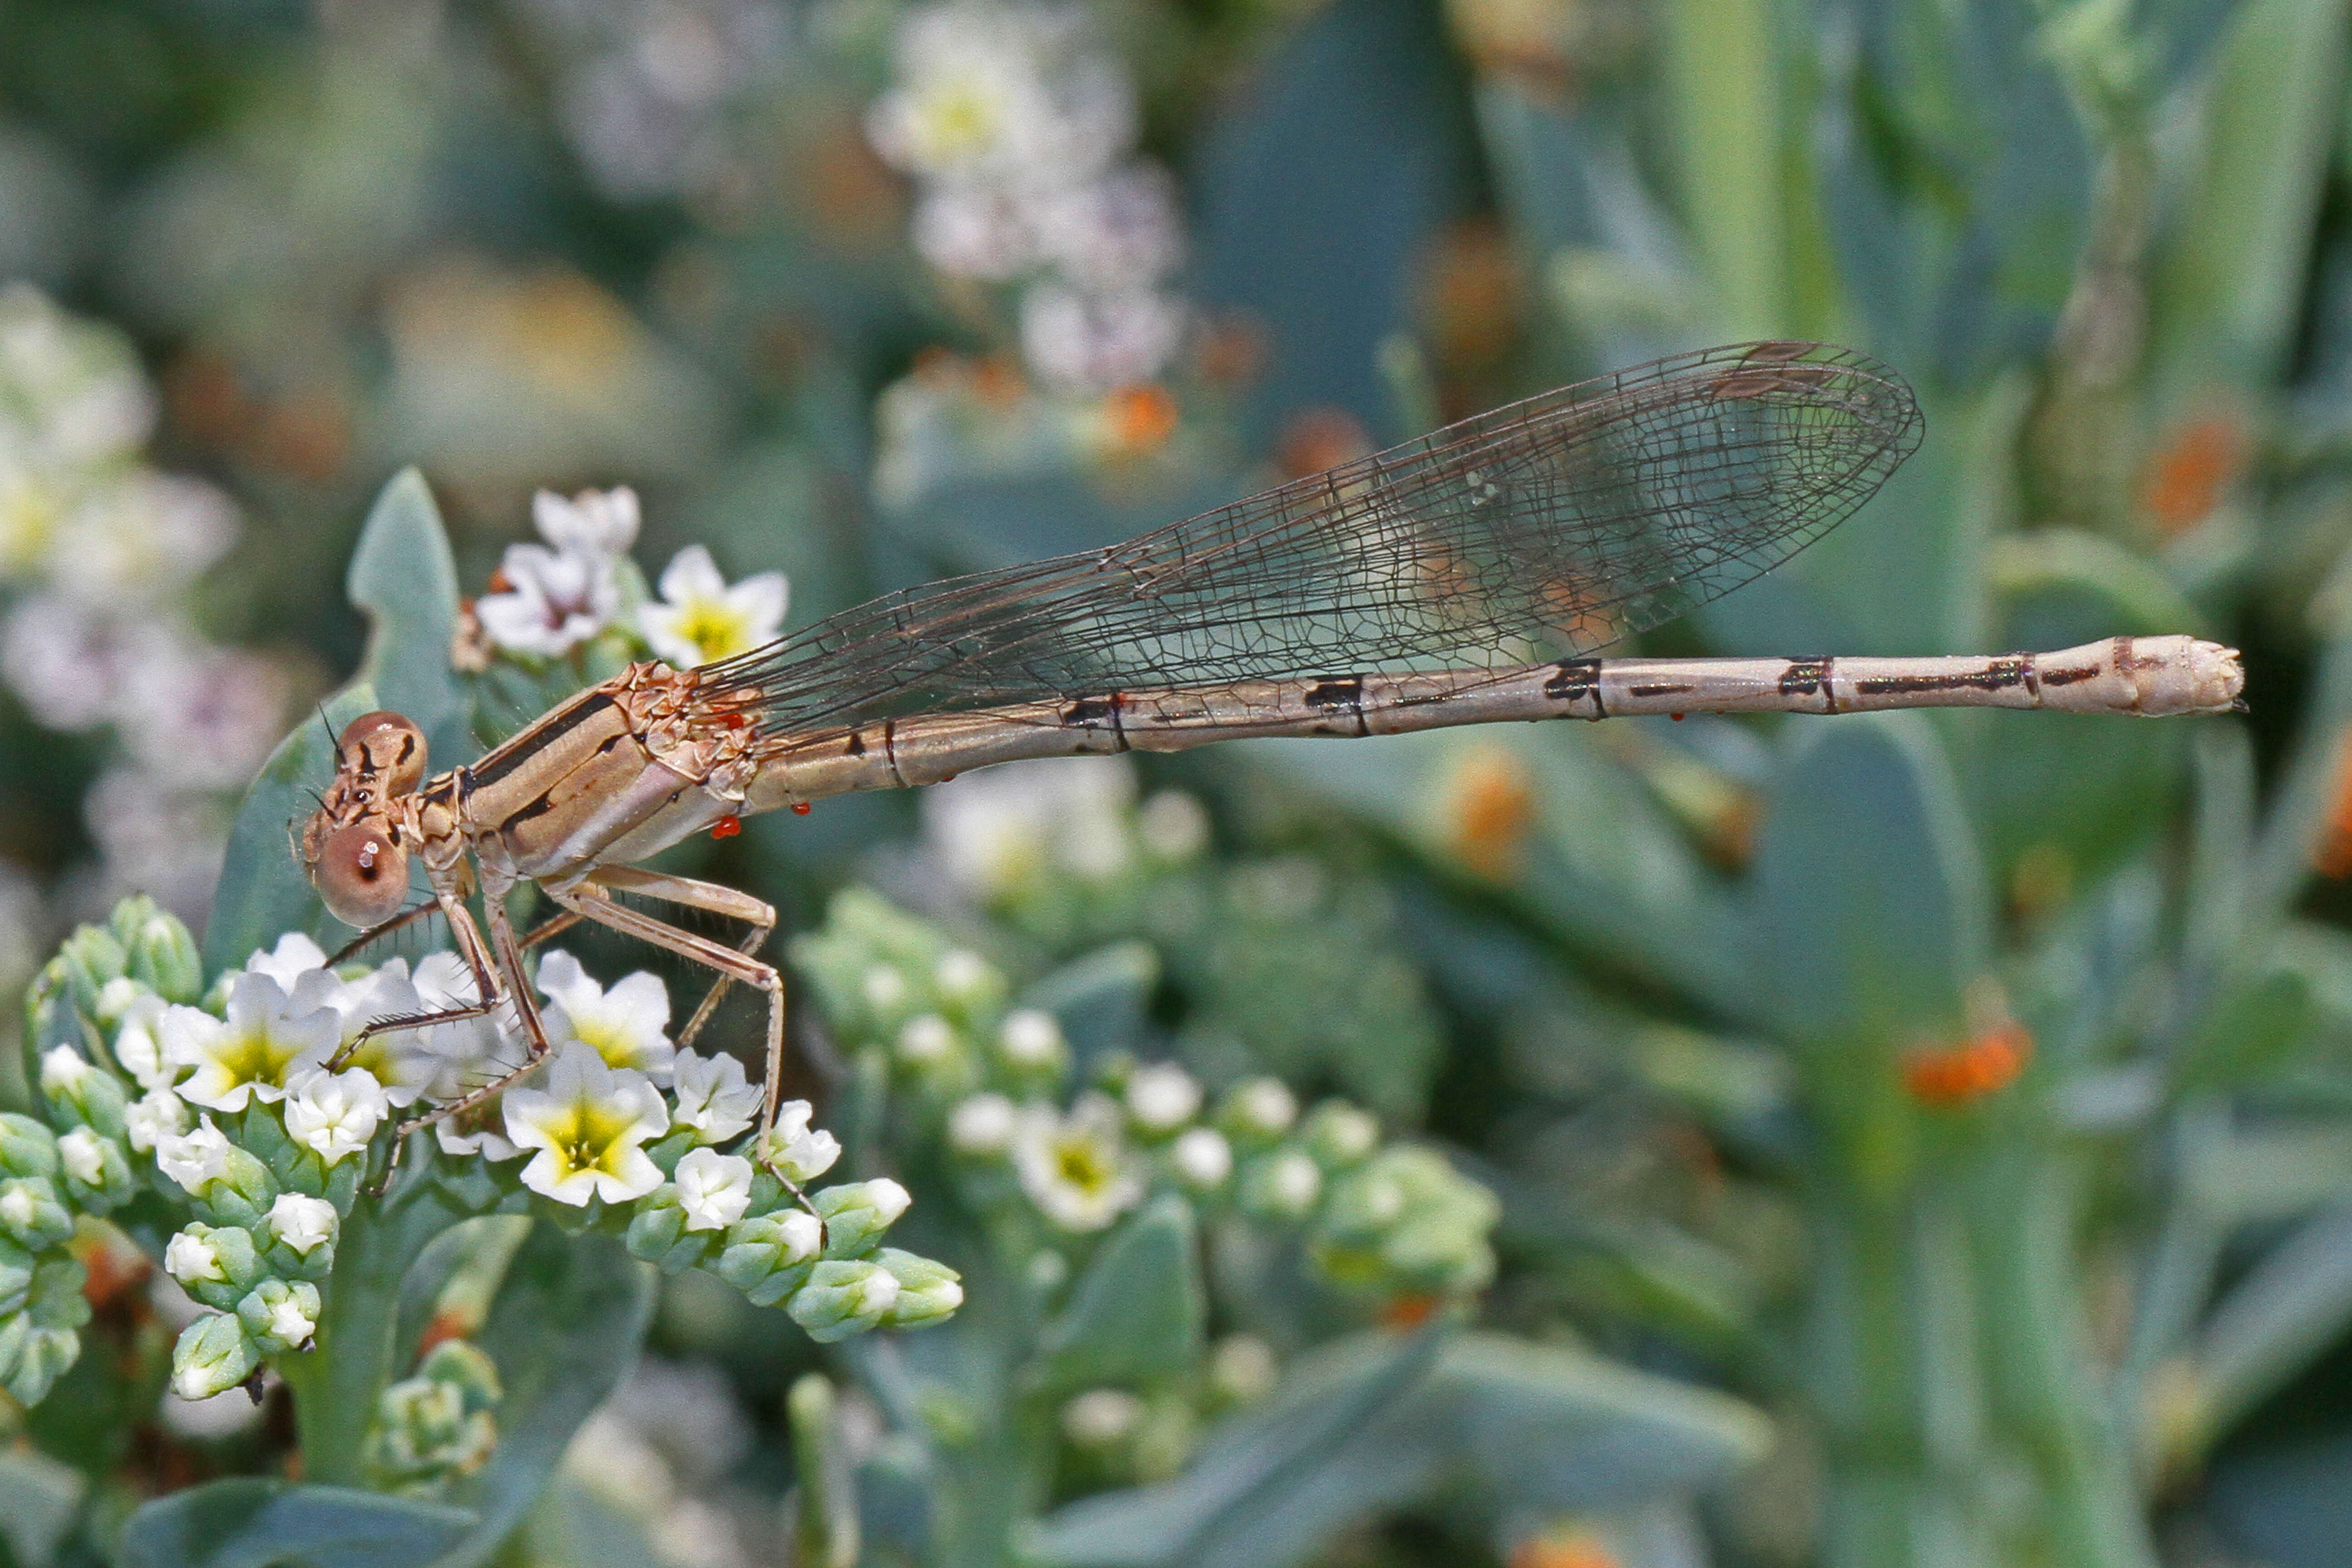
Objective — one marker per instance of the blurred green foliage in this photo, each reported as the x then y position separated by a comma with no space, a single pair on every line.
1967,1094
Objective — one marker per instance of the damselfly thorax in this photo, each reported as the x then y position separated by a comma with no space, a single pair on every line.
1465,578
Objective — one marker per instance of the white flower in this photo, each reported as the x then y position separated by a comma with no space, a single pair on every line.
1101,1416
600,525
883,987
153,1117
714,1189
1286,1184
587,1125
1161,1098
701,620
290,1319
193,1159
294,956
137,1047
1011,94
551,600
1173,825
626,1024
797,1152
467,1053
996,827
83,1155
974,231
1112,234
983,1126
712,1096
193,1259
1031,1040
963,976
265,1039
1076,1168
402,1060
926,1041
335,1115
1099,343
303,1223
64,1072
1202,1157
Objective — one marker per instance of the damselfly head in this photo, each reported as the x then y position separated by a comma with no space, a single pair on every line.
384,750
352,846
360,871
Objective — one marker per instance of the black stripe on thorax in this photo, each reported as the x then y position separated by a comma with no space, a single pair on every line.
514,753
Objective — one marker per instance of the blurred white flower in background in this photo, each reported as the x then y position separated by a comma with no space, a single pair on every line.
1018,129
701,620
997,828
1075,1167
643,86
98,556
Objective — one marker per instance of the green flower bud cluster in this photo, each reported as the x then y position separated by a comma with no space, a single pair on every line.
437,1426
41,1305
820,1261
1392,1220
897,991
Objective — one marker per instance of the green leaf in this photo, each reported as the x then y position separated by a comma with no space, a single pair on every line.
1869,899
564,1331
1365,1427
1138,1312
40,1499
263,892
250,1523
402,576
2234,280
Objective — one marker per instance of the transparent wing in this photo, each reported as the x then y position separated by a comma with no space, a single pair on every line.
1545,530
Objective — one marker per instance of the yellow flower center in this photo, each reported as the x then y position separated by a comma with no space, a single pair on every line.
960,119
1084,1163
255,1058
717,629
615,1046
591,1137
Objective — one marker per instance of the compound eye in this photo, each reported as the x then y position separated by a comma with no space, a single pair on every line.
361,874
391,750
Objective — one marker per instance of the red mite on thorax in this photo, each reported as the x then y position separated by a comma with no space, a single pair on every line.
800,808
727,827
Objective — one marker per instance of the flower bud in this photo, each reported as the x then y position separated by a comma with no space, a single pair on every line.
57,1300
27,1147
844,1297
1340,1134
1031,1045
1161,1099
97,1170
216,1264
657,1233
243,1194
31,1214
280,1316
91,956
856,1213
1257,1111
767,1256
162,955
1202,1158
33,1357
928,1290
981,1127
301,1223
968,985
214,1354
15,1279
798,1151
1282,1185
79,1090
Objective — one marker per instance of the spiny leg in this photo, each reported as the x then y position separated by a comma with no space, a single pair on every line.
709,897
375,934
501,980
589,898
477,956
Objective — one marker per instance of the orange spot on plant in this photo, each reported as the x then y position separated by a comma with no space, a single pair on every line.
1955,1076
1564,1549
1408,1311
1139,420
2332,857
1487,809
2189,474
727,827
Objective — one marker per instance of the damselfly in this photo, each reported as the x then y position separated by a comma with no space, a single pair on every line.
1463,578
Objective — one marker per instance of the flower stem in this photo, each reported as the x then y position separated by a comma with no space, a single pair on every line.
336,1384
